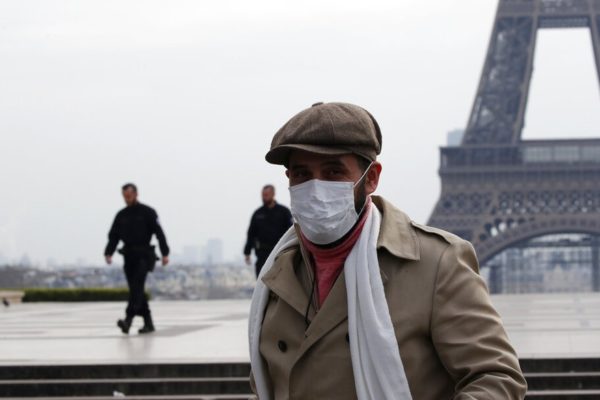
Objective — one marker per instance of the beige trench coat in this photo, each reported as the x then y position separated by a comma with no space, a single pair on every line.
451,339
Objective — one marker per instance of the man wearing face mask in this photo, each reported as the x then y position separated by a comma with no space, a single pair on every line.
359,302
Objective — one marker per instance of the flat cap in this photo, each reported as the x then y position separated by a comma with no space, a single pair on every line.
328,128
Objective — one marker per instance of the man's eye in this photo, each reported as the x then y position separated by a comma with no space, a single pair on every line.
333,173
299,174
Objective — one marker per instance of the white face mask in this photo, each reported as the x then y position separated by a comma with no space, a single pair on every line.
324,210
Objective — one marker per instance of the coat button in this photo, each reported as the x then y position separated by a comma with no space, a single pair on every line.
282,346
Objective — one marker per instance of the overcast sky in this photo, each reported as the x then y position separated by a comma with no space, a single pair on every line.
183,98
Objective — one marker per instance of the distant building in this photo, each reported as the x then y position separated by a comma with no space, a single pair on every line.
213,252
191,255
81,262
25,261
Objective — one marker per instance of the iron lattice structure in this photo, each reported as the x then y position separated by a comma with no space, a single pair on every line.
498,191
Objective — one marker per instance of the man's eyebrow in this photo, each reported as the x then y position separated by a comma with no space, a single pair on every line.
334,163
328,163
298,166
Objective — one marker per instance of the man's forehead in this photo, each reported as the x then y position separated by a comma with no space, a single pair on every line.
304,158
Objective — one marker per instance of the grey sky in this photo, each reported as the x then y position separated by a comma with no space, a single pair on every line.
183,97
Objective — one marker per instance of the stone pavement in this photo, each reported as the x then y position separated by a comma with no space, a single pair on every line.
552,325
540,326
82,333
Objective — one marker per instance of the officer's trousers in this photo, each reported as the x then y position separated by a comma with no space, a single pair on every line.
261,258
136,271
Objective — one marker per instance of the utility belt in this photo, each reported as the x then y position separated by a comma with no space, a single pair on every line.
147,254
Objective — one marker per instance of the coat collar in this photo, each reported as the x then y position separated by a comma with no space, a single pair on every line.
396,234
281,279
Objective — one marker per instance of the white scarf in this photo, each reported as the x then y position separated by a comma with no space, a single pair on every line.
376,363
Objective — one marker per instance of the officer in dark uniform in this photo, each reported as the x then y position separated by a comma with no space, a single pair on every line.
135,225
267,225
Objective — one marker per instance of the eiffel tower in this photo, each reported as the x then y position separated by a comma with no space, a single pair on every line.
515,198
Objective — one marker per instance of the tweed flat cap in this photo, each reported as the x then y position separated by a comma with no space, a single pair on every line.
328,128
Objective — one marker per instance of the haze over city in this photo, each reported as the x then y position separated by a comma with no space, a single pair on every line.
184,99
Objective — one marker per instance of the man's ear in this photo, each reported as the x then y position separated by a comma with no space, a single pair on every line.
372,178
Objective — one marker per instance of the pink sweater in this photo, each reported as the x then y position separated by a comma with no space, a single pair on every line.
329,262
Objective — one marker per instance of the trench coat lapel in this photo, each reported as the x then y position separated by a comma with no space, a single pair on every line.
396,233
281,279
333,311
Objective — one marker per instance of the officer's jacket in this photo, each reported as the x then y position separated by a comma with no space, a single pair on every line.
135,225
451,339
267,226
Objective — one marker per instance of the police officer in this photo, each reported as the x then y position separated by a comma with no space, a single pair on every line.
135,225
267,225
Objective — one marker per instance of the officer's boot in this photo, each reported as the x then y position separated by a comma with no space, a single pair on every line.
125,324
148,325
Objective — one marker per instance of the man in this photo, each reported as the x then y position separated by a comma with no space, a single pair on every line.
267,225
135,225
360,302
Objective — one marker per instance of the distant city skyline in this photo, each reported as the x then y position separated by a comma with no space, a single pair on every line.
209,253
185,282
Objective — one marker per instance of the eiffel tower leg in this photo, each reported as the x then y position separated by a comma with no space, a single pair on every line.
499,108
596,263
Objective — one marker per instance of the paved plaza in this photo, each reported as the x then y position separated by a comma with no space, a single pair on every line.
540,326
200,331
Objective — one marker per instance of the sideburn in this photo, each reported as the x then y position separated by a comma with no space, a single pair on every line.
360,197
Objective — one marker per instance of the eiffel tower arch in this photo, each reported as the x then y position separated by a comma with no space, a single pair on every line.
524,201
